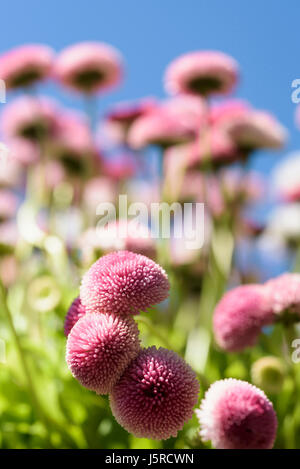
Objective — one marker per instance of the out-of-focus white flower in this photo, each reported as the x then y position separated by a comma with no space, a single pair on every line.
284,222
286,178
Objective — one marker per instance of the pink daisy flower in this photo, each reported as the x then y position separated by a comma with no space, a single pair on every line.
88,67
284,296
214,148
226,110
159,127
120,118
76,311
99,349
29,118
202,73
124,283
155,396
249,128
72,142
240,315
237,415
25,65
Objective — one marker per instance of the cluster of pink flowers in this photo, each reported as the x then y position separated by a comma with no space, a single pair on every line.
86,67
243,311
152,391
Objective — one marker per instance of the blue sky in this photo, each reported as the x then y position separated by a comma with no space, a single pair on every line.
262,35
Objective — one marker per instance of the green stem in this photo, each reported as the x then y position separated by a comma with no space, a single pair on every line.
47,421
23,361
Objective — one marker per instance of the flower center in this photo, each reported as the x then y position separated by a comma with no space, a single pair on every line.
204,85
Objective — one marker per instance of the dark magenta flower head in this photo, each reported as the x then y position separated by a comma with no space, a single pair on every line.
76,311
156,394
124,283
237,415
99,348
240,316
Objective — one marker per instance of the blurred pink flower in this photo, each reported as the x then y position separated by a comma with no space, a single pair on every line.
120,118
215,148
227,110
10,174
189,110
125,235
284,295
99,348
175,120
98,190
25,65
8,204
121,167
159,127
140,190
8,269
155,396
72,143
24,152
235,414
202,72
29,118
240,315
249,128
88,67
8,236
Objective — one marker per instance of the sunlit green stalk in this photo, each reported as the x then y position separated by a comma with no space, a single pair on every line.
45,419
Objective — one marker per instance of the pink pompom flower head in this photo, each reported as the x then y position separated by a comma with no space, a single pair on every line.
88,67
76,311
284,297
202,72
99,349
123,282
156,394
240,316
237,415
25,65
